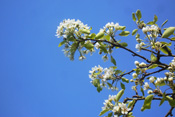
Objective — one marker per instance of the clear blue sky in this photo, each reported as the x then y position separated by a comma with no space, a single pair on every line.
37,80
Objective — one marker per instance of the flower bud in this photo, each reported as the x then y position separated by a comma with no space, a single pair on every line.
150,91
131,80
134,75
136,63
170,79
142,64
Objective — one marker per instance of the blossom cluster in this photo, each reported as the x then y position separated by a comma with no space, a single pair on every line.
119,108
103,74
70,27
152,29
110,28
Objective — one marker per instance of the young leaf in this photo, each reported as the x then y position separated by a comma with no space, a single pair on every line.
99,35
89,46
61,43
163,99
125,80
147,102
150,23
122,85
124,44
164,23
133,17
103,112
169,31
155,19
153,58
124,33
173,38
134,31
138,14
113,60
166,50
131,103
110,114
153,66
92,36
119,95
85,31
171,101
99,88
141,89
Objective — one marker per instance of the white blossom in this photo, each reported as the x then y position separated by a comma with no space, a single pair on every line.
82,58
152,79
124,109
138,47
146,86
136,63
97,45
150,92
69,27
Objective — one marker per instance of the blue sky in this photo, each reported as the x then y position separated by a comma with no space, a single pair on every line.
37,80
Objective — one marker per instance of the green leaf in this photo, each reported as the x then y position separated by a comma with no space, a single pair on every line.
110,114
96,82
169,31
122,85
153,58
119,95
164,23
153,66
113,60
173,38
99,35
134,31
165,43
138,14
163,99
118,72
73,49
155,19
103,112
137,36
147,102
150,23
99,88
124,33
61,43
124,44
109,84
125,80
89,46
122,28
103,49
161,84
141,89
133,17
166,50
107,37
131,103
85,31
171,101
92,36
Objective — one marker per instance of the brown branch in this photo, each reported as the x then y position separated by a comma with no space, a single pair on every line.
120,46
170,112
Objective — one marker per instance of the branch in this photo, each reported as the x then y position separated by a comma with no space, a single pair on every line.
120,46
170,112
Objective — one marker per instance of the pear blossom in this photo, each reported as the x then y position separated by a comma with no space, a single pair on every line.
152,79
146,86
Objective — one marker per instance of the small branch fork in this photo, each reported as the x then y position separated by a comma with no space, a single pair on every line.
137,98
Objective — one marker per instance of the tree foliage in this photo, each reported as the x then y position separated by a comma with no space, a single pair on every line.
157,42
